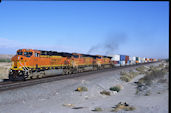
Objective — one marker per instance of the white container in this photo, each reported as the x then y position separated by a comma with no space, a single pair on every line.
122,63
143,59
134,58
130,60
115,57
139,59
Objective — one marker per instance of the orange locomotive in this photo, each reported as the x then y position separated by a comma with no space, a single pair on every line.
29,63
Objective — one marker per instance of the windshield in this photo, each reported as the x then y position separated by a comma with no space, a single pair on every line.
28,54
19,53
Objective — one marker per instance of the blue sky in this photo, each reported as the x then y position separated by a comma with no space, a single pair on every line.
132,28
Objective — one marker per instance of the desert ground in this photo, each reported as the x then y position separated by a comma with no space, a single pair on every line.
4,66
4,69
61,97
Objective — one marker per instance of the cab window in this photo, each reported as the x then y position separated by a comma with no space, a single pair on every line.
75,56
99,57
36,54
19,53
28,54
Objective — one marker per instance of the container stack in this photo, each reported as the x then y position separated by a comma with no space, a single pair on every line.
127,60
122,60
134,60
143,60
116,59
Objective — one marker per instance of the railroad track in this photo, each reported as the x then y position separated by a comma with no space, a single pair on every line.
7,85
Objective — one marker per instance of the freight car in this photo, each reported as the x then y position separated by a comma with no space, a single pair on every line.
29,63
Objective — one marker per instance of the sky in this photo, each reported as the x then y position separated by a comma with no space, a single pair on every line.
97,27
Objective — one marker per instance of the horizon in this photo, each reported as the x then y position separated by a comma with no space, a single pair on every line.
131,28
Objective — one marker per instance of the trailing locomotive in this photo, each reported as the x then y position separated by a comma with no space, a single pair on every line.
29,63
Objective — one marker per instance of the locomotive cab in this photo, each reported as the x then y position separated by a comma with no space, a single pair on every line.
21,63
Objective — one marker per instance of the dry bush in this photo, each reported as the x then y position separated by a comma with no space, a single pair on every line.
128,76
161,65
125,78
147,93
123,73
97,109
141,69
68,105
115,88
162,81
152,68
133,74
123,106
81,88
166,68
156,73
104,92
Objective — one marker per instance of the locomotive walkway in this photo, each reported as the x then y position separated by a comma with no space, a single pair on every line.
13,85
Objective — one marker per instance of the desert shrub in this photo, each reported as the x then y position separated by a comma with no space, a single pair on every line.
141,69
132,74
104,92
152,75
166,68
161,65
147,93
81,88
123,73
156,73
125,78
162,81
167,60
5,60
115,88
123,106
97,109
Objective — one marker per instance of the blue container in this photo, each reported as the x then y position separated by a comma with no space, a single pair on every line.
118,62
122,57
137,58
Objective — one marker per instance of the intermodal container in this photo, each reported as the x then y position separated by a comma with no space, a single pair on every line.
128,62
115,57
143,59
117,63
137,59
134,58
122,57
148,60
122,63
126,59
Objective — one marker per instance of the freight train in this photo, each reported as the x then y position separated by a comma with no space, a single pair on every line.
30,64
